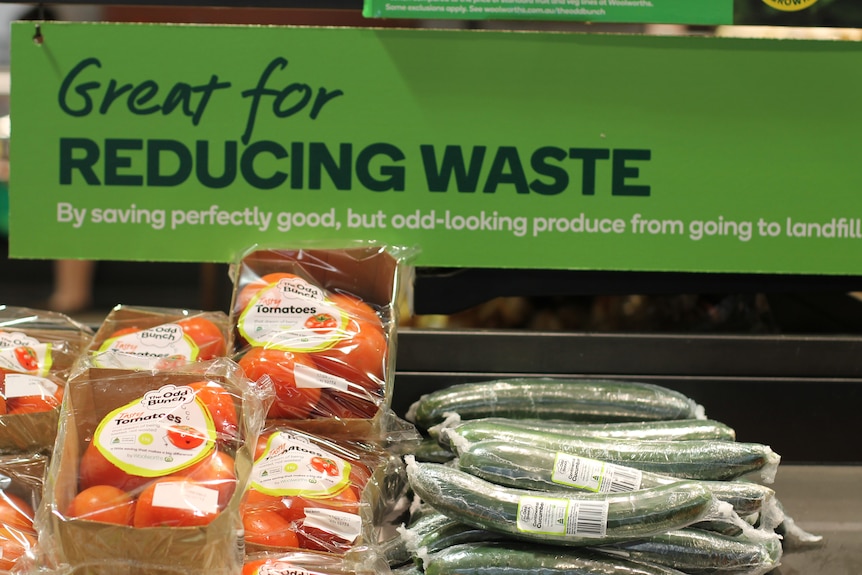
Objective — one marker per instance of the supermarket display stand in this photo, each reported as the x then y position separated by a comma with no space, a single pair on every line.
798,393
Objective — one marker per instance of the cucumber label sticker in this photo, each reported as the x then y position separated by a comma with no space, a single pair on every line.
21,353
166,430
562,517
292,315
157,347
291,465
790,5
594,475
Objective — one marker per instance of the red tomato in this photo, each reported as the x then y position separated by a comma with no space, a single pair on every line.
290,401
222,407
268,528
103,503
216,471
359,357
14,543
249,290
94,469
344,405
258,501
206,335
356,308
312,538
150,513
346,500
15,512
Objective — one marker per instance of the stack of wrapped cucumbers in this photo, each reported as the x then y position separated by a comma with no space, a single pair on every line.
546,476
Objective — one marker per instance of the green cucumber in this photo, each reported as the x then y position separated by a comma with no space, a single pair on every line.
582,400
434,531
698,552
430,450
559,517
515,558
669,429
531,467
688,459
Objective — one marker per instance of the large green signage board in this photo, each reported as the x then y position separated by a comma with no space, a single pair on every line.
482,149
833,13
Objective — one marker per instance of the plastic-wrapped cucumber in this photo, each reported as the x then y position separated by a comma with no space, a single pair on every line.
690,459
430,450
531,467
698,552
667,429
583,400
514,558
434,531
561,517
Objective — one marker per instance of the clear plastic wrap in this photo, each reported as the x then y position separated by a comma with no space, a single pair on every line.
319,494
38,350
133,337
310,563
149,470
21,481
321,323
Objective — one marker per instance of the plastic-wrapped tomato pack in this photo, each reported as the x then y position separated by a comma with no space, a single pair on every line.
305,563
320,323
38,350
150,468
21,480
319,494
158,338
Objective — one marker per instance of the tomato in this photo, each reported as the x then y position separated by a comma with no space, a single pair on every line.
185,509
249,290
27,358
222,407
268,528
185,436
103,503
345,405
14,543
216,471
15,511
356,308
95,469
124,331
324,465
346,500
359,357
258,501
291,402
206,335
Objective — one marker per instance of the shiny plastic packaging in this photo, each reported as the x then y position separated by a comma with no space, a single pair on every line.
149,470
319,494
310,563
21,480
38,350
321,324
133,337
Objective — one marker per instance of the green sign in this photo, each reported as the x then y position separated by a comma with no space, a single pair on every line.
846,13
482,149
706,12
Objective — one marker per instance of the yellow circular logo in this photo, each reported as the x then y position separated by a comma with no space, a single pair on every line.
790,5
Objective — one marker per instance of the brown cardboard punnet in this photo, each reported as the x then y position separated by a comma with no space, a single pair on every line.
101,548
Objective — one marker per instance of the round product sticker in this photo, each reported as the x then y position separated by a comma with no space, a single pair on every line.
166,430
292,465
790,5
292,315
157,347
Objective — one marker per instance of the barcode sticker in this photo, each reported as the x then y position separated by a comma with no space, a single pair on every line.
593,475
555,516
